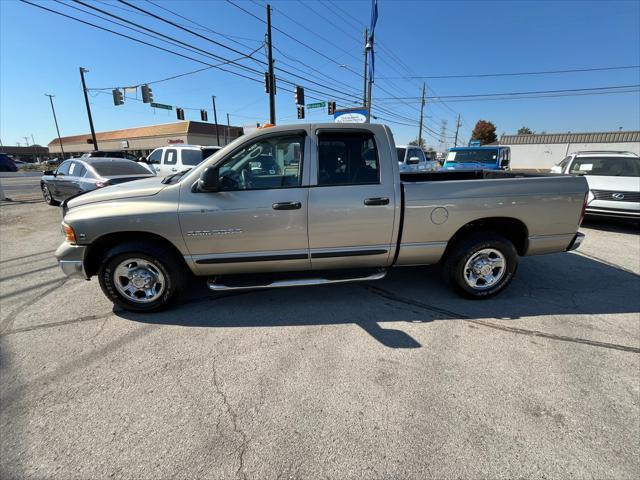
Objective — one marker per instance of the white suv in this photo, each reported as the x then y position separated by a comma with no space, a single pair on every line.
613,178
176,158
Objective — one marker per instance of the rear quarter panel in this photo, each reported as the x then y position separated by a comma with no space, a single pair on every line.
549,207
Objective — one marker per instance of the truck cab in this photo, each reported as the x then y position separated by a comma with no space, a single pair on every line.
478,158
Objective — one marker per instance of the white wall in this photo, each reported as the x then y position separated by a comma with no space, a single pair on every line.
544,156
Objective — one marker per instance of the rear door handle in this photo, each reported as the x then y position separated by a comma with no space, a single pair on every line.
376,201
287,206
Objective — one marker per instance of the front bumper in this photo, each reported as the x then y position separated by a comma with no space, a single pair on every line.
575,243
613,212
71,260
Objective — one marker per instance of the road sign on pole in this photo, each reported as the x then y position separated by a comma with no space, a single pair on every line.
161,105
316,105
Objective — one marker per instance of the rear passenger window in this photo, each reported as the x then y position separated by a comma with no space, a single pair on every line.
347,159
170,157
191,157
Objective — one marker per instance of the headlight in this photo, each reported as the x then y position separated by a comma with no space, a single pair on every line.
590,197
69,234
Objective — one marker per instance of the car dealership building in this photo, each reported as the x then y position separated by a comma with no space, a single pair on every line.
140,141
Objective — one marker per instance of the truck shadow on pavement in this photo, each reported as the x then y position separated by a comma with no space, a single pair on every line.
550,285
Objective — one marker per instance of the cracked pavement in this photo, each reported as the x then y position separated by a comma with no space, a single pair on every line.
393,379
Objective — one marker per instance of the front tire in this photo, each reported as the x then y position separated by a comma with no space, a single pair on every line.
481,265
141,277
48,198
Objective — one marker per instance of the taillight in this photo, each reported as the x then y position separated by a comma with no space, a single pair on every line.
584,207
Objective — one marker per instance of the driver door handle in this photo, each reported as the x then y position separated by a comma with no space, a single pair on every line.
287,206
376,201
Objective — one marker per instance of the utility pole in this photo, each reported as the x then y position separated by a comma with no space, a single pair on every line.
455,142
55,120
228,131
215,118
272,79
86,101
366,67
421,115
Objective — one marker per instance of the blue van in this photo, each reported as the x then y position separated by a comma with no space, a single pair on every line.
478,158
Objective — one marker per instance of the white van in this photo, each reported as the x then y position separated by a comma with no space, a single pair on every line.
176,158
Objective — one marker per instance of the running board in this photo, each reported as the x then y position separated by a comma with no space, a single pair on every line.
293,282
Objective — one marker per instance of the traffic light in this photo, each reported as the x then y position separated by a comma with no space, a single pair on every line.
331,108
180,113
147,94
298,97
300,112
203,116
118,97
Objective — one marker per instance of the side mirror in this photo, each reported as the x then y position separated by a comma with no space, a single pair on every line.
142,159
48,172
504,163
413,161
209,180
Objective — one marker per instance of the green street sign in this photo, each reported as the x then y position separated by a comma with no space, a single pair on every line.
161,105
316,105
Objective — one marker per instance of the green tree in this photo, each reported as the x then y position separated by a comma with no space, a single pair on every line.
415,142
485,132
525,131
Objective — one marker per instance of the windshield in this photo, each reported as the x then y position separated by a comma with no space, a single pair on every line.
109,168
401,154
607,166
473,155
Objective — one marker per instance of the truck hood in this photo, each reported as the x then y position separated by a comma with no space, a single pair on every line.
622,184
137,188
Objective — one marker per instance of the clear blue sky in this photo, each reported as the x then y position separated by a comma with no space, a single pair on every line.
41,52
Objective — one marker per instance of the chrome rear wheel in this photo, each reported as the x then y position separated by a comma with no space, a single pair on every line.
485,268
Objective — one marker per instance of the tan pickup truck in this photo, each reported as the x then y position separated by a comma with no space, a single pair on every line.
313,204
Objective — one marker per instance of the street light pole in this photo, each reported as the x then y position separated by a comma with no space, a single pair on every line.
86,101
215,118
366,67
55,119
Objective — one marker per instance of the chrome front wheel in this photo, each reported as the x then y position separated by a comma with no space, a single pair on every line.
139,280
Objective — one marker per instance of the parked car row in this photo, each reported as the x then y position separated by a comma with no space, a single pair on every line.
100,169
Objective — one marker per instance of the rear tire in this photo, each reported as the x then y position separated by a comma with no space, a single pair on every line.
141,277
48,198
481,265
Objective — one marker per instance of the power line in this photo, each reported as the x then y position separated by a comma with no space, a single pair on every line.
479,95
293,38
137,40
545,72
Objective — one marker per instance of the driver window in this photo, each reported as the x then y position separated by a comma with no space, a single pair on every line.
155,157
274,162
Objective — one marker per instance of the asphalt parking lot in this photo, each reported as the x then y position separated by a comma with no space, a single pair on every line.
394,379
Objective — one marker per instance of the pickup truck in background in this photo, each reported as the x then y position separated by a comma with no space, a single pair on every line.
478,158
413,159
335,210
